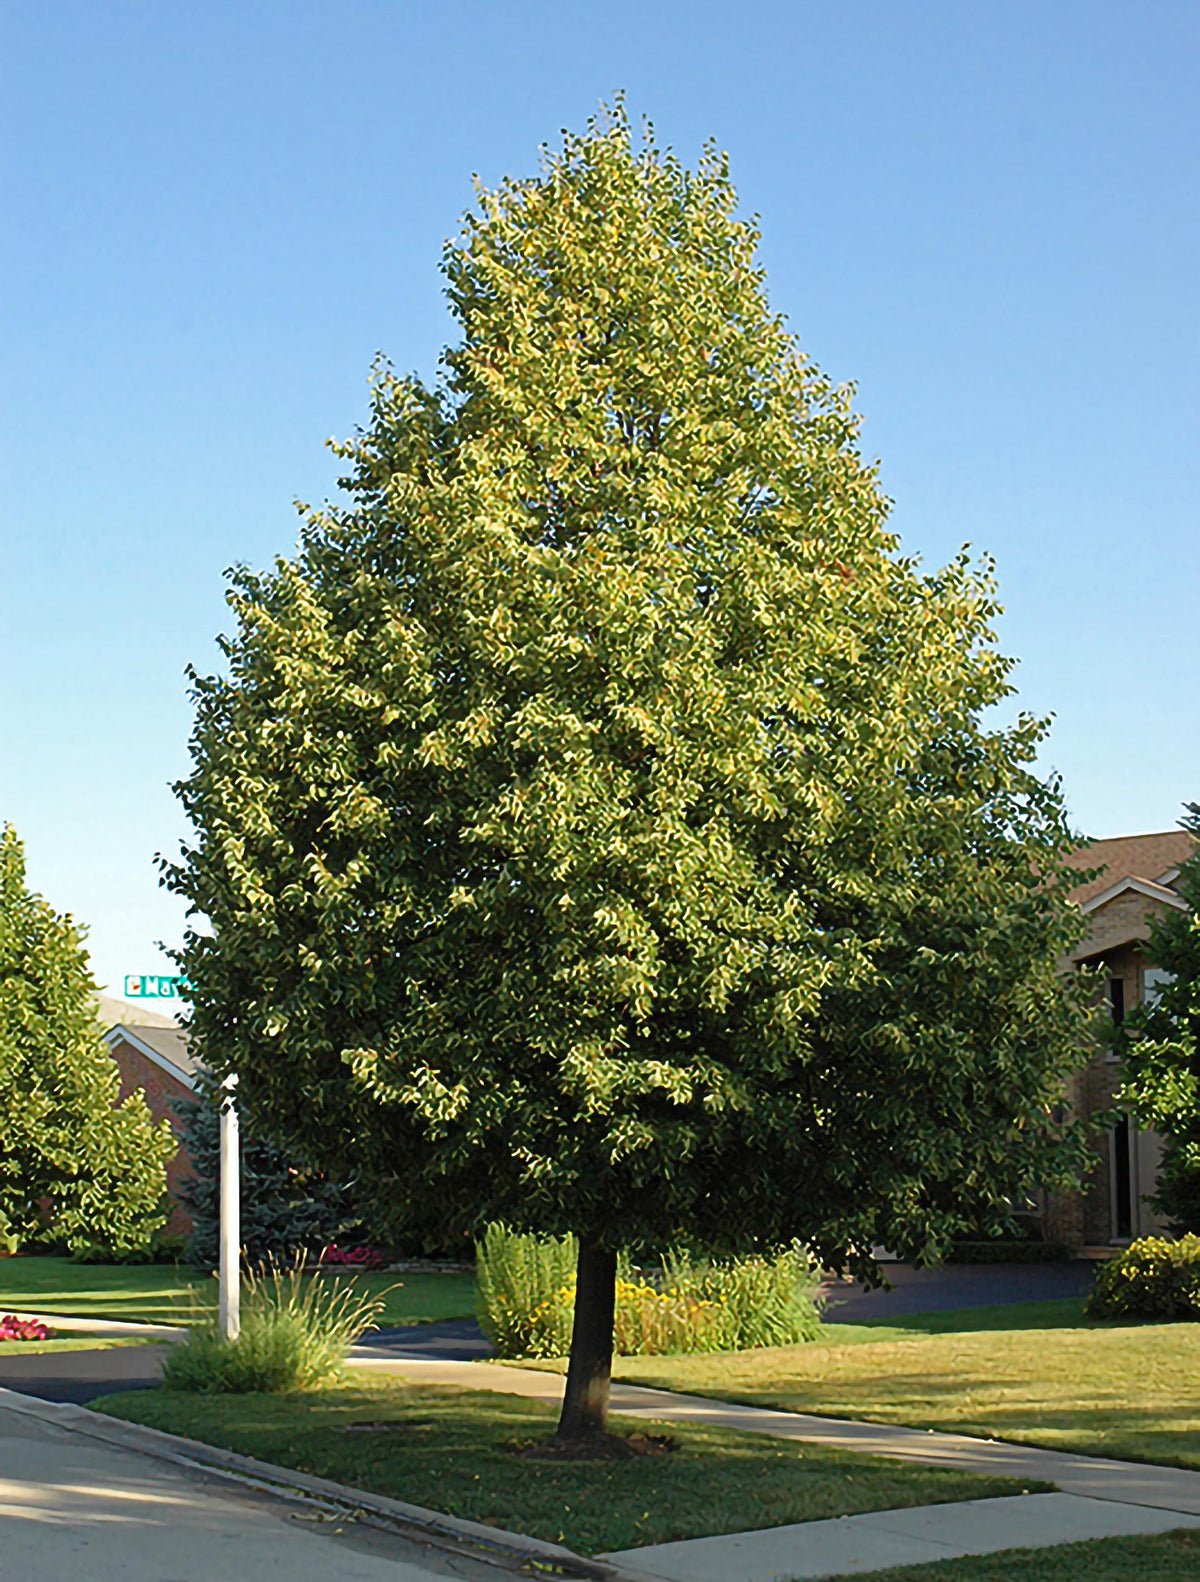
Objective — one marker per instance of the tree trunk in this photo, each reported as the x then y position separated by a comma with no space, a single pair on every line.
585,1399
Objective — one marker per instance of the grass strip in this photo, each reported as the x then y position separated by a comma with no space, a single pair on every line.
1167,1557
453,1450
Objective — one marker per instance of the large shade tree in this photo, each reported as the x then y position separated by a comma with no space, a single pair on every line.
596,825
77,1168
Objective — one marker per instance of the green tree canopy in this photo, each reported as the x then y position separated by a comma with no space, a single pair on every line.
595,821
1160,1045
76,1167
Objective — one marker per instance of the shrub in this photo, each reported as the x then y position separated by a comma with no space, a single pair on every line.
287,1207
526,1288
295,1332
1155,1277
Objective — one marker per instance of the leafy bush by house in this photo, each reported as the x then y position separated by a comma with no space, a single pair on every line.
1155,1277
526,1287
296,1330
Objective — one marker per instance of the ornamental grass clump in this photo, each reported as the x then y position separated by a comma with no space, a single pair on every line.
295,1332
1156,1277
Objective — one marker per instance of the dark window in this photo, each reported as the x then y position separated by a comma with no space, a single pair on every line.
1123,1199
1116,998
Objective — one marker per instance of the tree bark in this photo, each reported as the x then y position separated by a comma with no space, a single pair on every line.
589,1374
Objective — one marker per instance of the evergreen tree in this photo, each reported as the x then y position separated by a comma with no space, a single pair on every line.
76,1167
285,1206
595,822
1160,1046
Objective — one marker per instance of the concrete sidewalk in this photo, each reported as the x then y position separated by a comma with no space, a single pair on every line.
101,1328
858,1545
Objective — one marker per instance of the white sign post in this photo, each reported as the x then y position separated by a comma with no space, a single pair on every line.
229,1300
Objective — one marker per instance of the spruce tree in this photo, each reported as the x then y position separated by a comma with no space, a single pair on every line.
596,822
77,1169
285,1206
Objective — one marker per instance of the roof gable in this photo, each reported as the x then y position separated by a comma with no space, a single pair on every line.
1149,858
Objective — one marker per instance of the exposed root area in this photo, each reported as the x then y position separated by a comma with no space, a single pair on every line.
598,1447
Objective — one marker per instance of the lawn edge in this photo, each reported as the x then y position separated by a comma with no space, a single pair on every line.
433,1527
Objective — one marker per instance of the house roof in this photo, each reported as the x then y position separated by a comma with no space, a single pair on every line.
167,1047
160,1038
112,1011
1149,858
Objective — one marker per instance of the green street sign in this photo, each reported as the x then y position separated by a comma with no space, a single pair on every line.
152,986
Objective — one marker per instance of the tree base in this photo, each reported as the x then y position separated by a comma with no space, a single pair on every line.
598,1447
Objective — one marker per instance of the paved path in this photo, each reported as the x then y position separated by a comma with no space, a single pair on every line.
71,1507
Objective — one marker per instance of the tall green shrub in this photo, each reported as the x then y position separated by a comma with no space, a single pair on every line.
764,1301
77,1168
518,1279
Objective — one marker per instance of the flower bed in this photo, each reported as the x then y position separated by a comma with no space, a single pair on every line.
364,1258
14,1328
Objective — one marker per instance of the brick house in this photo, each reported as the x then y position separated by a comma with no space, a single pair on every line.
151,1053
1136,884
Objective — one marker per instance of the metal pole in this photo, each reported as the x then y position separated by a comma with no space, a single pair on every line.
229,1302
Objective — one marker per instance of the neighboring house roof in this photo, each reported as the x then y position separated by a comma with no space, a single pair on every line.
1131,885
113,1011
1152,859
160,1038
167,1047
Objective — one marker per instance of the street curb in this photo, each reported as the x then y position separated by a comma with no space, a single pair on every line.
433,1527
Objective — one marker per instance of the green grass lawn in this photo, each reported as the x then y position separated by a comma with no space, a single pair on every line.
452,1450
1128,1391
172,1294
1064,1314
1170,1557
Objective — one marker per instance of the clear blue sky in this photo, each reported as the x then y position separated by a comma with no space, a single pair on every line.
215,213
